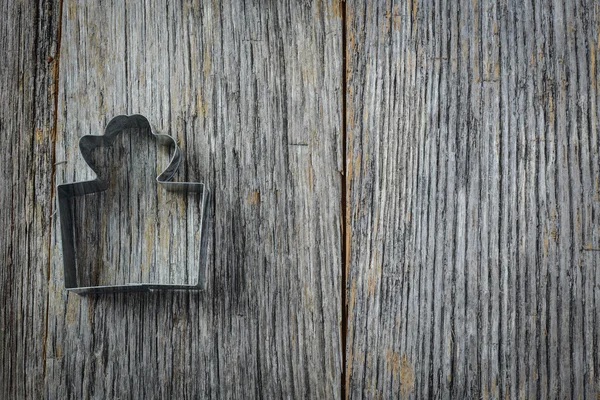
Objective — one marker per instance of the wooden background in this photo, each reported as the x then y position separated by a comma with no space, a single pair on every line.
474,199
419,218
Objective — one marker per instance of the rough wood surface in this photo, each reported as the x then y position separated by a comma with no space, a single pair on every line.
251,91
473,194
28,66
474,199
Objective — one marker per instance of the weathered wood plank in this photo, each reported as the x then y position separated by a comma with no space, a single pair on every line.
28,44
252,92
473,172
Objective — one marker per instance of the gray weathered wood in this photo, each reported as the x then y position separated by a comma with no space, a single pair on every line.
28,67
473,175
251,91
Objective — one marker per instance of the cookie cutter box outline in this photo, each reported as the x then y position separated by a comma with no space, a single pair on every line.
67,191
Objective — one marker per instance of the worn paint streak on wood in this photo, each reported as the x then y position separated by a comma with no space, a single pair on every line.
238,85
474,189
28,47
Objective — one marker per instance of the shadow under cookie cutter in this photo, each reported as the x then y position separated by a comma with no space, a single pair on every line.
66,192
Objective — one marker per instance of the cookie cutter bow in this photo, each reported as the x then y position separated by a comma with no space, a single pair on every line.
67,191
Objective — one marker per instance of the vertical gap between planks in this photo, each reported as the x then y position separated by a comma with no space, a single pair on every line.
345,250
53,133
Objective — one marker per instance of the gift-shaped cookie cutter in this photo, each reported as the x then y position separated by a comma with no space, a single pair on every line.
66,193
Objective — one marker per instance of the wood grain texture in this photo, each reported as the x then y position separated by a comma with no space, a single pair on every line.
473,180
474,202
251,92
28,67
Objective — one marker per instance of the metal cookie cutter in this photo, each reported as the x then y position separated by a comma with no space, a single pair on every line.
67,191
